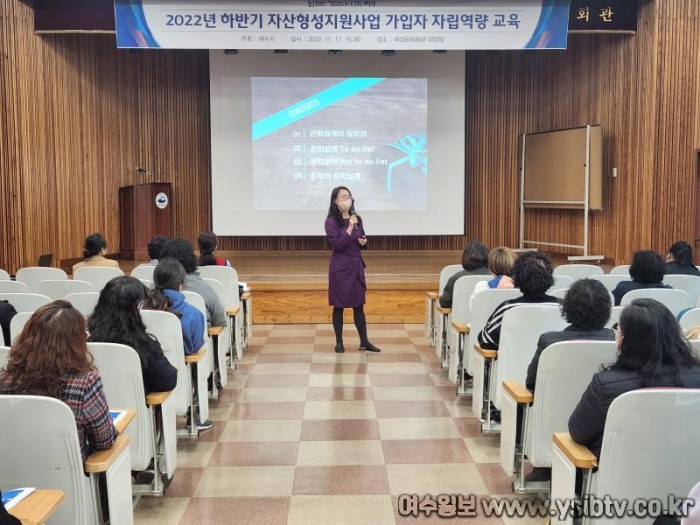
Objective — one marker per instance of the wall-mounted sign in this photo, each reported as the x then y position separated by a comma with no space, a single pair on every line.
603,16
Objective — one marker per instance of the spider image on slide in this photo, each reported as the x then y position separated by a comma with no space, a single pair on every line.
414,147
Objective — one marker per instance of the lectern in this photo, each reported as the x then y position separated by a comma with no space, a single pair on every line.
145,210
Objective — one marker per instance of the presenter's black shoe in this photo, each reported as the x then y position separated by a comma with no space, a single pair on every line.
370,348
339,348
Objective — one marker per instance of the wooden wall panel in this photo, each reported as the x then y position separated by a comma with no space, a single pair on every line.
78,115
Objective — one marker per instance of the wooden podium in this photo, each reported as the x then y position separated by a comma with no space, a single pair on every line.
145,210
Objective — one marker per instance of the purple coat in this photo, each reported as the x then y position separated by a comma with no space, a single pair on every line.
346,272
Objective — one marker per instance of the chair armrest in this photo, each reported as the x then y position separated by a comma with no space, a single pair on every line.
433,296
233,311
444,311
245,296
197,357
486,354
580,456
215,330
38,506
460,327
518,392
125,421
101,460
157,398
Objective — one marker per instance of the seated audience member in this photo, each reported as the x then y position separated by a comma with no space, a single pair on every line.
474,259
500,264
182,250
586,307
679,260
154,249
116,319
94,252
7,312
50,358
532,273
652,352
647,271
208,243
169,279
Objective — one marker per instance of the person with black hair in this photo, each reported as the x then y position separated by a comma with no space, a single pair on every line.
586,307
474,261
116,319
679,260
182,250
208,242
532,274
154,249
346,272
647,271
94,251
652,353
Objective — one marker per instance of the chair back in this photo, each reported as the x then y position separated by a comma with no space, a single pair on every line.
228,277
623,269
615,313
649,447
690,319
17,323
143,272
13,287
578,271
4,276
45,458
122,379
564,372
205,366
610,281
84,302
674,300
690,284
559,293
98,276
461,313
4,356
225,337
32,276
561,282
166,327
59,289
25,302
445,274
148,283
521,329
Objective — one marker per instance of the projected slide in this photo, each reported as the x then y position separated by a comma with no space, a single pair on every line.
312,134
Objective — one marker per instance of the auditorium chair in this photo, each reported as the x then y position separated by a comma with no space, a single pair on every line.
520,331
560,293
615,313
649,450
143,272
674,300
483,306
17,323
690,319
4,276
32,276
564,372
690,284
96,275
25,302
152,433
148,283
13,287
432,301
611,281
578,271
84,302
4,355
219,337
623,269
59,289
459,319
42,449
561,282
205,366
166,328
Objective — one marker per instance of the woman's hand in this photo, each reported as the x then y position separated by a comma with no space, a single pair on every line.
353,220
362,240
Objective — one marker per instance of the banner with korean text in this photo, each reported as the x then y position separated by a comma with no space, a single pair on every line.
342,24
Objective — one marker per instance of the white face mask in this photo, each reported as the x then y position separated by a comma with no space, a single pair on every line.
345,205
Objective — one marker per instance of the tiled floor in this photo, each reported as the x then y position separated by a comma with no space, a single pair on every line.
304,436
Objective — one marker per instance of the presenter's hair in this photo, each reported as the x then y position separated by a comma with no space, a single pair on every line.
475,255
52,345
501,261
182,250
532,273
94,243
156,246
651,339
682,253
207,243
647,267
587,305
333,210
